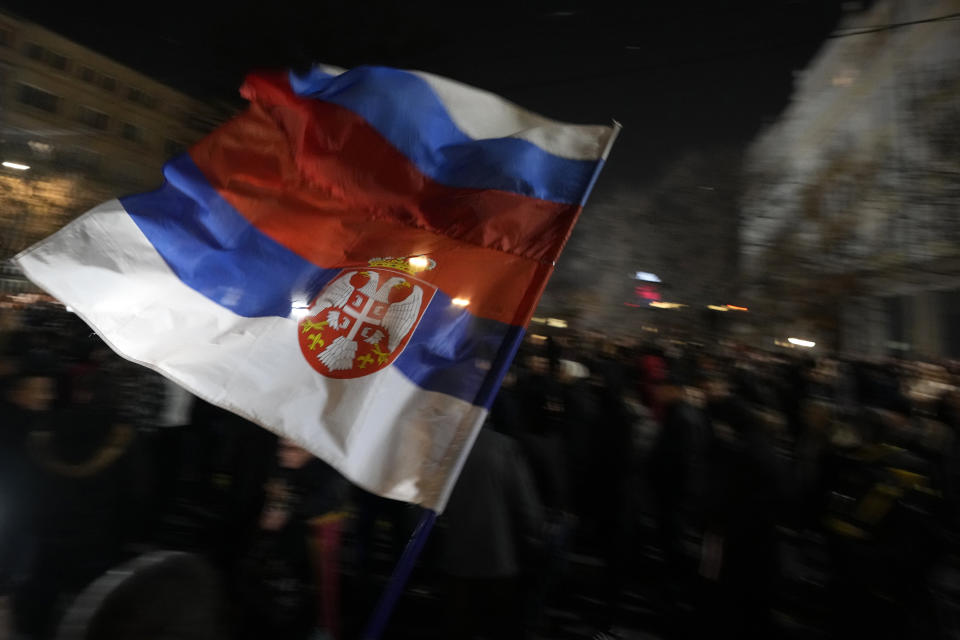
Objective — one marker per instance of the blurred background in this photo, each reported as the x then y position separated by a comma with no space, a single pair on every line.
774,244
794,157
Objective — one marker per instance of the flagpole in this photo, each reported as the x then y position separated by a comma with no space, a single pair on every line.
603,160
381,615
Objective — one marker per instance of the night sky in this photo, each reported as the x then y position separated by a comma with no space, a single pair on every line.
678,75
681,77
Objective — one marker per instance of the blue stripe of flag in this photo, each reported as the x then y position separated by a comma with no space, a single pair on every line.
218,253
404,109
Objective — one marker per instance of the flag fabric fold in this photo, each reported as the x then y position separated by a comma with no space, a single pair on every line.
351,263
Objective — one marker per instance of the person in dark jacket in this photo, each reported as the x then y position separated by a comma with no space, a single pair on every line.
290,574
885,528
612,496
677,482
88,498
545,441
740,545
26,400
493,507
678,461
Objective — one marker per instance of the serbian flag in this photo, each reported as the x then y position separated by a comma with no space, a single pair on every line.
351,263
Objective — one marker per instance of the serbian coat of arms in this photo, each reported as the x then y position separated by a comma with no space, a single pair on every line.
361,321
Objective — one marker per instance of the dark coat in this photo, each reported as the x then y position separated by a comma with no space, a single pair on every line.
678,458
492,507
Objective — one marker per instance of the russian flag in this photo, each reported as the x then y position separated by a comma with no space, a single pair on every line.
350,263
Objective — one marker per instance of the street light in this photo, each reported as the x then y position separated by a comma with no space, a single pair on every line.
299,309
807,344
419,262
16,165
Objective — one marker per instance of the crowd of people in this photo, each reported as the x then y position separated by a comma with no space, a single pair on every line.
684,470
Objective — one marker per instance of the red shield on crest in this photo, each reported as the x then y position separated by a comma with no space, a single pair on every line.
362,320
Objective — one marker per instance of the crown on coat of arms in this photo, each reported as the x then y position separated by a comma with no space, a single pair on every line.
413,264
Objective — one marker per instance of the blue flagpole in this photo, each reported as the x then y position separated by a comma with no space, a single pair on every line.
603,160
381,615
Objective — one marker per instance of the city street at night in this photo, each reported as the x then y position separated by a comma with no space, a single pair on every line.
535,320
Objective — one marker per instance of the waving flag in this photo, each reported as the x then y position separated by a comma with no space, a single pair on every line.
349,263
